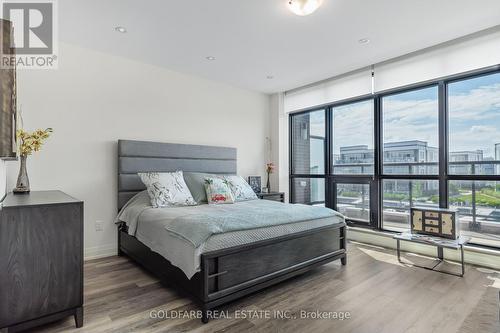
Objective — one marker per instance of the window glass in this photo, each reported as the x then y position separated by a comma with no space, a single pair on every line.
478,207
474,126
401,194
308,143
352,126
309,191
353,200
410,125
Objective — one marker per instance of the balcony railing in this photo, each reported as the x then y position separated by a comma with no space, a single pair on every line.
412,167
479,217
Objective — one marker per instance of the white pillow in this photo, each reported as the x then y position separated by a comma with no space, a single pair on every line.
241,189
167,189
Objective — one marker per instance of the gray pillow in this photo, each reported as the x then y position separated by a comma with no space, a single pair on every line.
195,181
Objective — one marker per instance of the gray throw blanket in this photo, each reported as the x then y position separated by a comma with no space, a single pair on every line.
197,228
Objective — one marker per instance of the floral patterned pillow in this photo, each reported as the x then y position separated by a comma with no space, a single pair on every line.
167,189
218,191
241,189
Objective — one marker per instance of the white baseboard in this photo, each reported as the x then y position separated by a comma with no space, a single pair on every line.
103,251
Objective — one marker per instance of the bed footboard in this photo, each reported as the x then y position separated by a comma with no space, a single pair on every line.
232,273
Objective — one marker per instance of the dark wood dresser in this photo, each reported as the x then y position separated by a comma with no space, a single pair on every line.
41,259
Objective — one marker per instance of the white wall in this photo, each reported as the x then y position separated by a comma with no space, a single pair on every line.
94,99
3,173
475,51
279,147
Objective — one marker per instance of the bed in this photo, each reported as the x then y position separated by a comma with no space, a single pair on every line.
227,266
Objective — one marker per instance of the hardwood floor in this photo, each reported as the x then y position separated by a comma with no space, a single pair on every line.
380,294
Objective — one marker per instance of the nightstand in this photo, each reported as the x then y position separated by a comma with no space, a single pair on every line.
274,196
41,259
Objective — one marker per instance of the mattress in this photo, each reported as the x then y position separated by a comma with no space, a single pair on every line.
148,225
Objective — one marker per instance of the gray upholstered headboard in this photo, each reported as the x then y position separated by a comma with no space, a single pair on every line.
144,156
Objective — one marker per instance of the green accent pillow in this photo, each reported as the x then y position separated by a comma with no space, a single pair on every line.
218,191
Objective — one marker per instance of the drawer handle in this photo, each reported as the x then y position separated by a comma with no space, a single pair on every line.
217,274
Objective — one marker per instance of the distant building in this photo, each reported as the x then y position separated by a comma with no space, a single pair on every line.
466,168
405,153
404,157
399,158
358,159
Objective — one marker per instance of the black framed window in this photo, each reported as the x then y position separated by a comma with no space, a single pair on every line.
399,195
411,135
307,157
431,145
308,143
353,200
352,138
474,126
309,191
474,156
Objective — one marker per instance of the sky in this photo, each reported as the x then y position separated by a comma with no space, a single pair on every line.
474,117
474,113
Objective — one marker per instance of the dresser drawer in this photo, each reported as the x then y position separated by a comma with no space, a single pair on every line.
432,215
432,222
433,230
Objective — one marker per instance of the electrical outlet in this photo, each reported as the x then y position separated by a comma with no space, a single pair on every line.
99,225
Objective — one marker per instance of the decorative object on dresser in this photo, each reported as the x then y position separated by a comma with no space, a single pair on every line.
269,170
276,196
7,95
28,144
41,262
434,221
255,183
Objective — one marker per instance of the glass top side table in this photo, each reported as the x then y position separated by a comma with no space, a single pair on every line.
440,243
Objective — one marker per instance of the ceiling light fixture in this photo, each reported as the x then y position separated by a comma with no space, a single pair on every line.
211,58
121,29
304,7
363,41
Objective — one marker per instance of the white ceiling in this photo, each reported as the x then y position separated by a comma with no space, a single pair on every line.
252,39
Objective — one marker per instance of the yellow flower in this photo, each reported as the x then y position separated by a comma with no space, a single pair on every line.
30,142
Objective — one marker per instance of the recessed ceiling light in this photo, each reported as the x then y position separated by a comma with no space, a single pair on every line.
270,77
211,58
363,41
304,7
121,29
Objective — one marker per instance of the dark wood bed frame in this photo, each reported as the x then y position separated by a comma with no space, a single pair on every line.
231,273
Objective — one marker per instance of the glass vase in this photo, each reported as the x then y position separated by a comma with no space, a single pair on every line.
268,185
23,182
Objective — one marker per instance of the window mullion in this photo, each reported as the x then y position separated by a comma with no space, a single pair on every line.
376,194
443,145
